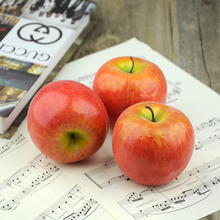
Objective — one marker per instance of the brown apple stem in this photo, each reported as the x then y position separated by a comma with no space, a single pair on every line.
132,64
152,112
74,140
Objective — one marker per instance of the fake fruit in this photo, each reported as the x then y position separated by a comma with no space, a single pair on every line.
124,81
152,143
67,121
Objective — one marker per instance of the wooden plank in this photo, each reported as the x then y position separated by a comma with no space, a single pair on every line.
153,22
199,48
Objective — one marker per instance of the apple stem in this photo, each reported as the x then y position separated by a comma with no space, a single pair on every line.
152,112
132,64
74,140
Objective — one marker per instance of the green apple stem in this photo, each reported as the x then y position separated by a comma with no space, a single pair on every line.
152,112
132,64
74,140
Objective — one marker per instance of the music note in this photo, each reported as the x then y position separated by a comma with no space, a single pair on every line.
12,203
72,205
7,207
18,139
212,139
87,80
213,163
173,91
202,126
133,197
7,146
178,199
183,177
200,168
154,200
106,175
4,148
34,176
215,181
114,180
201,189
82,211
211,123
201,143
160,207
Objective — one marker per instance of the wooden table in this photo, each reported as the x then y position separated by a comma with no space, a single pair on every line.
187,32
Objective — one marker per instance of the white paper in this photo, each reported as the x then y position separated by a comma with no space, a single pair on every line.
195,193
33,187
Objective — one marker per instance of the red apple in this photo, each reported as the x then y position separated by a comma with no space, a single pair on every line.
152,142
124,81
67,121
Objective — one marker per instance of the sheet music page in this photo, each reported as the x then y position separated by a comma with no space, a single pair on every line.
193,194
34,187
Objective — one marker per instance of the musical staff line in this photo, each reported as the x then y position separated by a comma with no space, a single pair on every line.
143,204
174,90
106,175
210,123
87,80
27,180
75,204
202,143
7,146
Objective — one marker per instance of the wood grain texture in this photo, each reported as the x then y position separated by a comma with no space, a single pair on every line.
186,32
153,22
199,34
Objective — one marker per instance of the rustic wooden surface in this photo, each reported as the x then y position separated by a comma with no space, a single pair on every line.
186,32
